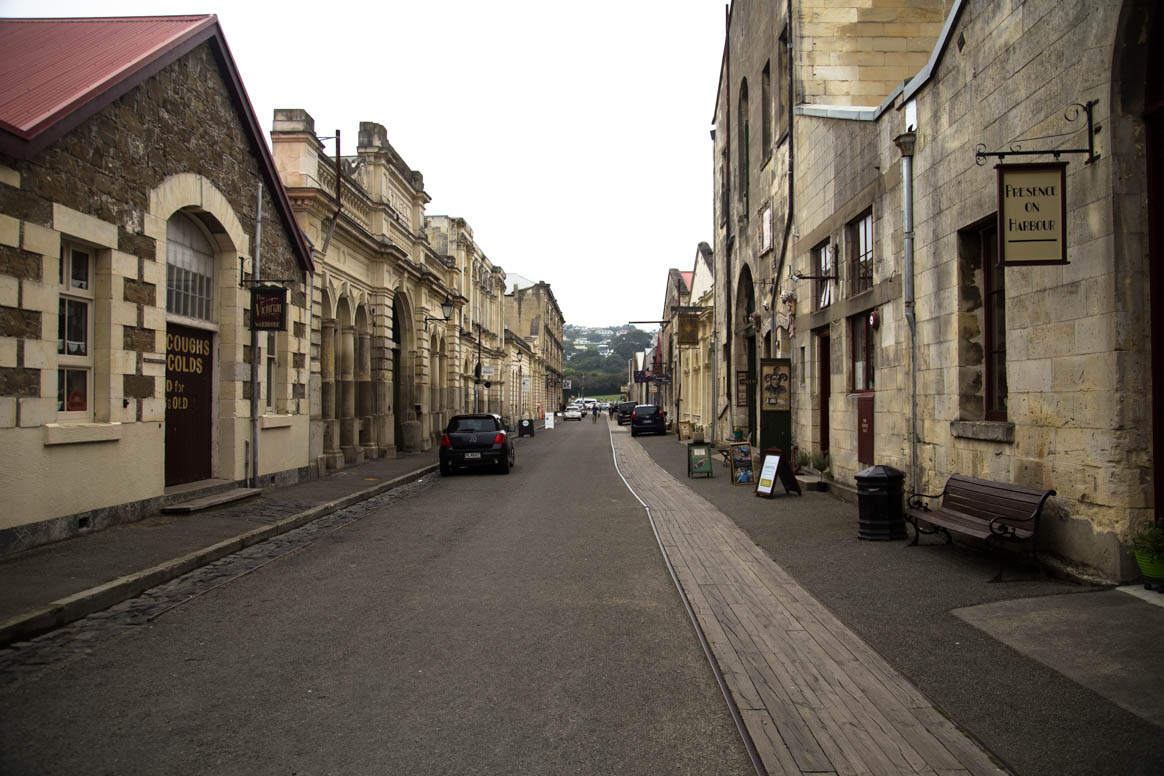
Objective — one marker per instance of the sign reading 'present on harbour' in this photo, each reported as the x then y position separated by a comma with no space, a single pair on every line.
1032,214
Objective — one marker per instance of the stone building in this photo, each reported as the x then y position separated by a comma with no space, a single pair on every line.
385,362
777,57
532,312
693,376
480,365
130,175
676,297
909,344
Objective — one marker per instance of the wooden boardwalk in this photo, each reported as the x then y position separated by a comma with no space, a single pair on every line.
814,698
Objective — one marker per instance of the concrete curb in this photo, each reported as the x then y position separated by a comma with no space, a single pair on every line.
82,604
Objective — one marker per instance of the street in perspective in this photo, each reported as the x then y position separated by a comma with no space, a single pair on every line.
521,388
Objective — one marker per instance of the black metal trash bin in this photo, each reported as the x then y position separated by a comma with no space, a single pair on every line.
880,508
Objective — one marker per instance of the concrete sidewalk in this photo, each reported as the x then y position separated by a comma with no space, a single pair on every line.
49,586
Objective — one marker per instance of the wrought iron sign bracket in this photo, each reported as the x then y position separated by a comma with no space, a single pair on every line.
1071,114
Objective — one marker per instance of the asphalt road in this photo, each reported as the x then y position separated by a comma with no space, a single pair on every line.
484,624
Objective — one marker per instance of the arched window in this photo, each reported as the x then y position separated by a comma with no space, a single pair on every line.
189,269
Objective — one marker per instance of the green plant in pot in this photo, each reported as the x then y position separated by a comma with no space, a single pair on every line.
1148,545
820,462
803,461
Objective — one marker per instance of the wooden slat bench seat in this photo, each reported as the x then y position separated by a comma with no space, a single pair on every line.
996,512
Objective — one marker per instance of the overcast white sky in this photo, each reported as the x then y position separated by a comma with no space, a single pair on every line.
573,137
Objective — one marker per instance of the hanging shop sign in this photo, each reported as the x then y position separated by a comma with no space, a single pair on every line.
1032,214
661,379
642,376
688,329
268,308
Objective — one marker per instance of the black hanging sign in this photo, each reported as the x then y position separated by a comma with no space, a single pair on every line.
268,308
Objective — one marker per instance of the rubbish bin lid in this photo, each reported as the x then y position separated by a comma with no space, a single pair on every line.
879,473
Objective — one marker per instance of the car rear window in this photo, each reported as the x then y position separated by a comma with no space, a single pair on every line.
627,405
472,424
646,409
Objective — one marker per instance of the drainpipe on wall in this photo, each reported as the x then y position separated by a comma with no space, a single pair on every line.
905,143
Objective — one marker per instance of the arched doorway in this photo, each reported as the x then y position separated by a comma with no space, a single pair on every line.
397,393
1138,110
1154,126
744,355
190,336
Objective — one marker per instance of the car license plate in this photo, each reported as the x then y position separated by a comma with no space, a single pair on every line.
472,456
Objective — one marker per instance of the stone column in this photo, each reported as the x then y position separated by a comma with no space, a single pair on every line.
327,390
364,399
347,396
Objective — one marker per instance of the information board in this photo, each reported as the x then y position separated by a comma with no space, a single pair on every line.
741,463
549,420
685,429
699,460
766,482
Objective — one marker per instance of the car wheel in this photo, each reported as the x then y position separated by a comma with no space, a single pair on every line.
446,469
505,466
633,432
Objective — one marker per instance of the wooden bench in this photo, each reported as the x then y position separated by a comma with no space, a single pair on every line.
995,512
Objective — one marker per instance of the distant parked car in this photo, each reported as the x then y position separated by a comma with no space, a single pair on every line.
573,412
624,411
476,440
647,418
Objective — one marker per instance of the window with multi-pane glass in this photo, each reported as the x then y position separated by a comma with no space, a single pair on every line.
74,329
189,269
822,261
860,239
861,329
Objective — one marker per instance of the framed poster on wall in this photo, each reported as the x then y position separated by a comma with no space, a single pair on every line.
775,384
742,388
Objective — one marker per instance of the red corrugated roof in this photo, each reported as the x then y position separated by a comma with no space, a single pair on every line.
55,73
50,67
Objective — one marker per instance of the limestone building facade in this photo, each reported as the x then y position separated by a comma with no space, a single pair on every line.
481,373
127,237
385,362
694,374
910,345
533,314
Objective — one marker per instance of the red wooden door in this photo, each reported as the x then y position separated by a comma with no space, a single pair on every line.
189,368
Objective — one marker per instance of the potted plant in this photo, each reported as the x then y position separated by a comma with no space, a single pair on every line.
820,462
803,461
738,433
1148,545
697,433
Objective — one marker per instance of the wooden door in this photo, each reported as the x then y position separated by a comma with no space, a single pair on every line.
189,394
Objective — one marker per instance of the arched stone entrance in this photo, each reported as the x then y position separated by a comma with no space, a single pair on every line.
407,429
744,355
1138,182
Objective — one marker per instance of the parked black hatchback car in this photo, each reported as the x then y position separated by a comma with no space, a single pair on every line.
647,418
476,440
624,410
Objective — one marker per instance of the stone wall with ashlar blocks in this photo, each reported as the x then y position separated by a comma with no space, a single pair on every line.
175,142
